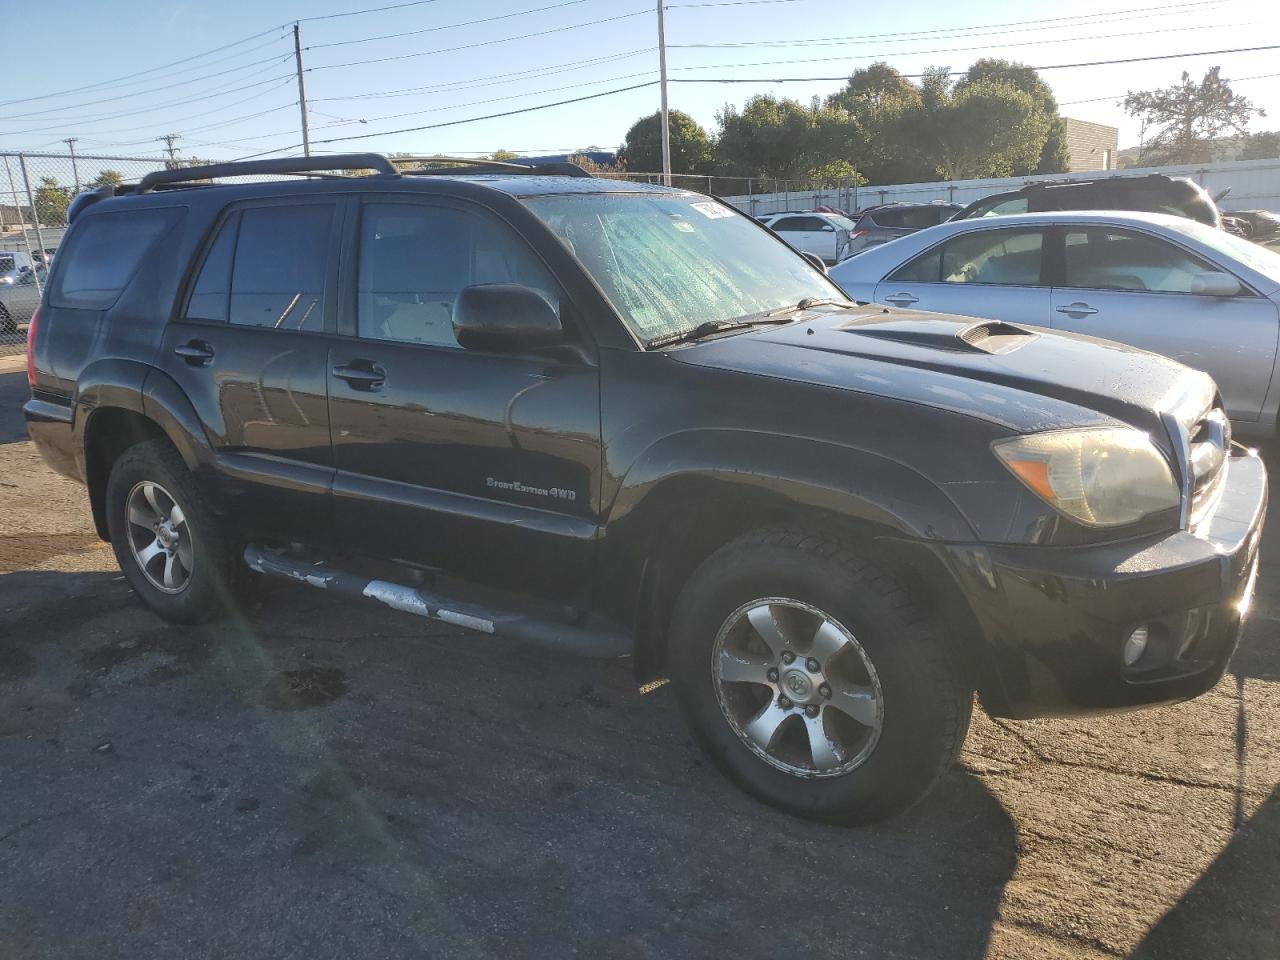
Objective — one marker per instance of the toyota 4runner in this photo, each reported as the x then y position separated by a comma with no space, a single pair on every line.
621,419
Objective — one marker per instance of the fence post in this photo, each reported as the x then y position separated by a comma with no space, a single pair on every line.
22,220
751,200
35,215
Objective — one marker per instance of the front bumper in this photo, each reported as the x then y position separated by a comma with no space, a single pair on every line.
1055,620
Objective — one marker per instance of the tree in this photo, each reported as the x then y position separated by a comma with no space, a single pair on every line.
1054,156
690,146
506,156
869,87
1261,146
980,128
52,200
1189,117
592,166
771,137
105,178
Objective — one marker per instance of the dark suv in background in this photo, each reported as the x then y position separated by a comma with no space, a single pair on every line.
620,419
1153,193
881,224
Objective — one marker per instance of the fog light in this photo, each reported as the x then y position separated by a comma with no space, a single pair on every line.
1136,645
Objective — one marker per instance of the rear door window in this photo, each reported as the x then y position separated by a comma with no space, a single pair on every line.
279,269
211,293
103,253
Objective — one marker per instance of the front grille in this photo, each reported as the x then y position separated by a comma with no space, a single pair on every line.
1209,443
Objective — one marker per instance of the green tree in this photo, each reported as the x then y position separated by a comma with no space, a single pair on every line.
771,137
873,97
690,146
52,200
1189,117
1054,156
981,128
869,87
1261,146
592,166
506,156
105,178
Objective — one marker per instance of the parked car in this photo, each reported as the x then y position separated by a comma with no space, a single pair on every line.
825,235
888,222
13,264
1166,284
1152,193
621,419
1260,226
19,298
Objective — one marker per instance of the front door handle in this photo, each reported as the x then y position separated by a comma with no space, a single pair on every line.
195,352
361,374
1077,309
902,299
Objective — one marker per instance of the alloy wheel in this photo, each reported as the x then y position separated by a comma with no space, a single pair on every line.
159,537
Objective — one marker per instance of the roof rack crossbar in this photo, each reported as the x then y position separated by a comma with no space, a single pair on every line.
372,161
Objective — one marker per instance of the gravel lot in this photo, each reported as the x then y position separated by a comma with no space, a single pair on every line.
328,780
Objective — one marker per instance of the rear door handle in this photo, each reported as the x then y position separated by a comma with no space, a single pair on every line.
902,299
195,352
1077,309
361,374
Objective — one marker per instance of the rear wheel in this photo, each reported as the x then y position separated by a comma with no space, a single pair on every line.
813,680
166,540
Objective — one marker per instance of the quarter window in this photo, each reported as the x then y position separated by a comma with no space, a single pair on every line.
414,259
1099,258
1004,257
278,277
103,254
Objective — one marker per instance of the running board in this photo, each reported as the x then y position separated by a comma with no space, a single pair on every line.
586,640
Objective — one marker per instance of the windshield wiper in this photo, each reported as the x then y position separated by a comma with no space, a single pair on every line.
710,327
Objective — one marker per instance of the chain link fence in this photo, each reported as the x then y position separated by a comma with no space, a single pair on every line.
757,196
35,191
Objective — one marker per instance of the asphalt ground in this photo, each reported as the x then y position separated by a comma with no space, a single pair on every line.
320,779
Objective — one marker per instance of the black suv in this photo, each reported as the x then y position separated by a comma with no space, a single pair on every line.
1153,193
620,419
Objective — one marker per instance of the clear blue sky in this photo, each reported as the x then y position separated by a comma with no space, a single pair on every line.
83,42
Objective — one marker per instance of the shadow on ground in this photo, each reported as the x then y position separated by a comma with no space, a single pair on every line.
325,779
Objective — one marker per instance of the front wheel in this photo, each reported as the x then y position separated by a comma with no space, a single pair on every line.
812,679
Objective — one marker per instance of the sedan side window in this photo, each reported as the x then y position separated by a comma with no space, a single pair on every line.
788,224
923,269
415,258
1004,257
1101,258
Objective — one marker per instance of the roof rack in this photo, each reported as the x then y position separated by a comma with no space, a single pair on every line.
560,169
341,161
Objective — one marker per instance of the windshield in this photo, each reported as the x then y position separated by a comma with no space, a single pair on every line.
1259,258
670,263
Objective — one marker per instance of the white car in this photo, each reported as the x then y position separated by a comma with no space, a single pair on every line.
1163,283
823,234
19,297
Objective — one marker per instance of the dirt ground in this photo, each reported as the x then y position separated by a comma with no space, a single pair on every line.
322,780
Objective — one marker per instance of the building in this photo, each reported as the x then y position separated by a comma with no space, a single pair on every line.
1091,146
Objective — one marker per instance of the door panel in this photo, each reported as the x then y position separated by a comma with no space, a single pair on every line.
486,466
991,274
260,388
1132,287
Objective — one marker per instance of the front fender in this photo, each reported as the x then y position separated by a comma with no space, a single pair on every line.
801,473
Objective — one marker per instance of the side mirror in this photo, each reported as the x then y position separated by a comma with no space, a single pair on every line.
816,260
505,318
828,228
1215,284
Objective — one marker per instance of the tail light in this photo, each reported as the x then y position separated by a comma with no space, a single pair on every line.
31,348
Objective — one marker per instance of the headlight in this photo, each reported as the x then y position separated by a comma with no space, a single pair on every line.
1102,477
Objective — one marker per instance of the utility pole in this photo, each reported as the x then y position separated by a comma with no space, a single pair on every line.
662,73
75,174
302,89
168,139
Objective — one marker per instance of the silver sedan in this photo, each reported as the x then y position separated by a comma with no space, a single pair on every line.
18,300
1162,283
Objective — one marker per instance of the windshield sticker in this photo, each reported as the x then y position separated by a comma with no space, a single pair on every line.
684,226
711,210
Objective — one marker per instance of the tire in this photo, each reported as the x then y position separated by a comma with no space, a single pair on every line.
195,575
878,657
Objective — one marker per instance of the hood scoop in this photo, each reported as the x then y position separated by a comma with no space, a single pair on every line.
981,336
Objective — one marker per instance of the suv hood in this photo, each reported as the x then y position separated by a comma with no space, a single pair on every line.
1021,377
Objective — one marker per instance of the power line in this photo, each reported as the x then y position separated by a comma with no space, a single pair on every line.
448,26
356,13
1117,96
484,43
38,116
489,80
911,53
140,73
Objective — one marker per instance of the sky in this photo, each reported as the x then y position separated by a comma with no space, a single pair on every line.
242,100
